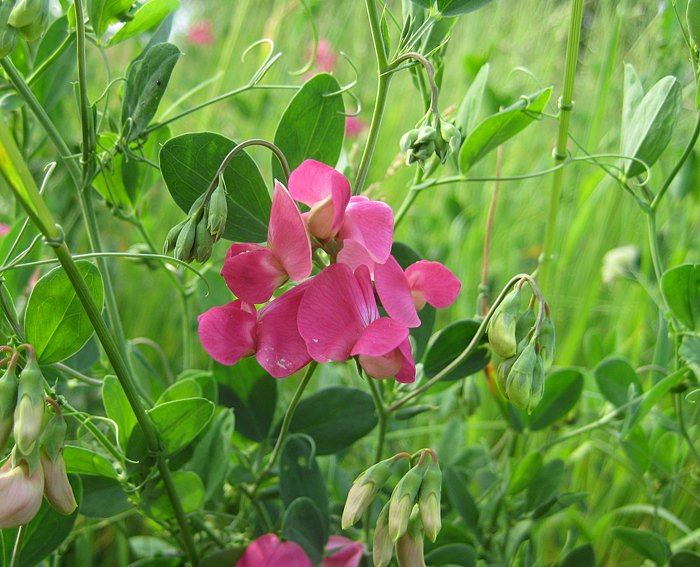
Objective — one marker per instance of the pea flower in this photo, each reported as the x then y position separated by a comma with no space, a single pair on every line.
338,318
236,330
20,493
254,272
269,551
342,552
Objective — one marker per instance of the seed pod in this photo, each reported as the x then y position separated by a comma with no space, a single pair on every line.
8,401
172,236
29,413
364,490
502,327
185,240
218,211
203,240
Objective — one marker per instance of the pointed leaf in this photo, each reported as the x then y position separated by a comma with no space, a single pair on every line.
456,482
103,13
147,17
118,409
468,112
561,392
188,486
646,543
633,95
303,524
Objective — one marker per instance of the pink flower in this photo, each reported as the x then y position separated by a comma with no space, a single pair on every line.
20,494
404,293
236,330
200,33
269,551
335,217
354,126
4,229
338,318
342,552
326,58
254,272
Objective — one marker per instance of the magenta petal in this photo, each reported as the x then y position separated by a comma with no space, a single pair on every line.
313,181
395,293
354,255
342,552
407,372
287,235
253,276
371,223
227,333
380,337
332,314
433,283
269,551
281,350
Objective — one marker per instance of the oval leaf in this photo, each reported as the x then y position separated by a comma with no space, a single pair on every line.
583,556
615,377
649,544
147,17
502,126
448,344
103,13
335,418
80,460
118,409
189,163
188,486
312,126
303,524
561,392
459,7
684,559
456,481
179,422
55,323
681,289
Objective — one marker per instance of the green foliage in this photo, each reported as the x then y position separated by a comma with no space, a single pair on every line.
148,16
645,543
448,344
180,421
562,390
303,524
617,380
681,289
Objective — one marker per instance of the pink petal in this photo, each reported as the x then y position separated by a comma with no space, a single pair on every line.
343,552
227,333
269,551
4,229
333,313
395,293
380,337
287,237
433,283
354,255
254,274
281,350
312,182
407,373
319,220
370,312
371,223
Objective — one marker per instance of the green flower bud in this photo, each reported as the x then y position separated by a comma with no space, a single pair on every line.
8,35
26,12
203,240
29,413
425,134
547,340
409,548
185,240
54,436
403,498
383,545
450,134
525,383
218,211
526,323
502,373
364,490
501,328
8,401
172,236
429,501
692,16
408,139
37,27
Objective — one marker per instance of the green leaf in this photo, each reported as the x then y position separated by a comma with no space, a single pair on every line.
190,162
80,460
459,7
681,288
252,393
118,409
452,554
188,486
179,422
525,472
303,524
146,80
648,131
427,4
300,476
103,13
500,127
147,17
312,126
103,497
690,352
335,418
455,481
561,392
448,344
633,95
684,559
55,323
614,377
545,486
583,556
654,395
468,112
180,390
649,544
51,87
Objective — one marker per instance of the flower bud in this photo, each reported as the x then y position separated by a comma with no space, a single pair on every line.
218,211
403,498
546,341
57,489
502,373
29,413
185,240
8,401
502,326
425,134
409,549
364,490
383,546
26,12
172,236
525,383
203,240
408,139
429,501
20,494
692,16
8,35
450,134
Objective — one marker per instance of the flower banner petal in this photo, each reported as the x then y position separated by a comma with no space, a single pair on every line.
227,333
371,223
269,551
433,283
253,276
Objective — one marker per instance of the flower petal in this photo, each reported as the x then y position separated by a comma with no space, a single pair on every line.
354,255
287,237
333,312
253,275
433,283
269,551
395,293
281,349
227,332
371,223
342,552
314,181
407,372
380,337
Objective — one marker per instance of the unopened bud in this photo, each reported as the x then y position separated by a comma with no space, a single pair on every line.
502,373
692,16
429,501
525,384
185,241
450,134
26,12
524,327
8,35
20,494
203,240
403,498
57,489
408,139
425,134
29,413
409,548
37,26
8,401
546,342
172,236
383,545
218,211
364,490
501,328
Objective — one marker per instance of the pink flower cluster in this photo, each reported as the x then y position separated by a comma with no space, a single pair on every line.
334,315
269,551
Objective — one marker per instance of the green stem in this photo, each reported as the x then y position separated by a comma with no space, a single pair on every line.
286,422
8,308
683,429
654,246
17,549
382,417
408,201
566,104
